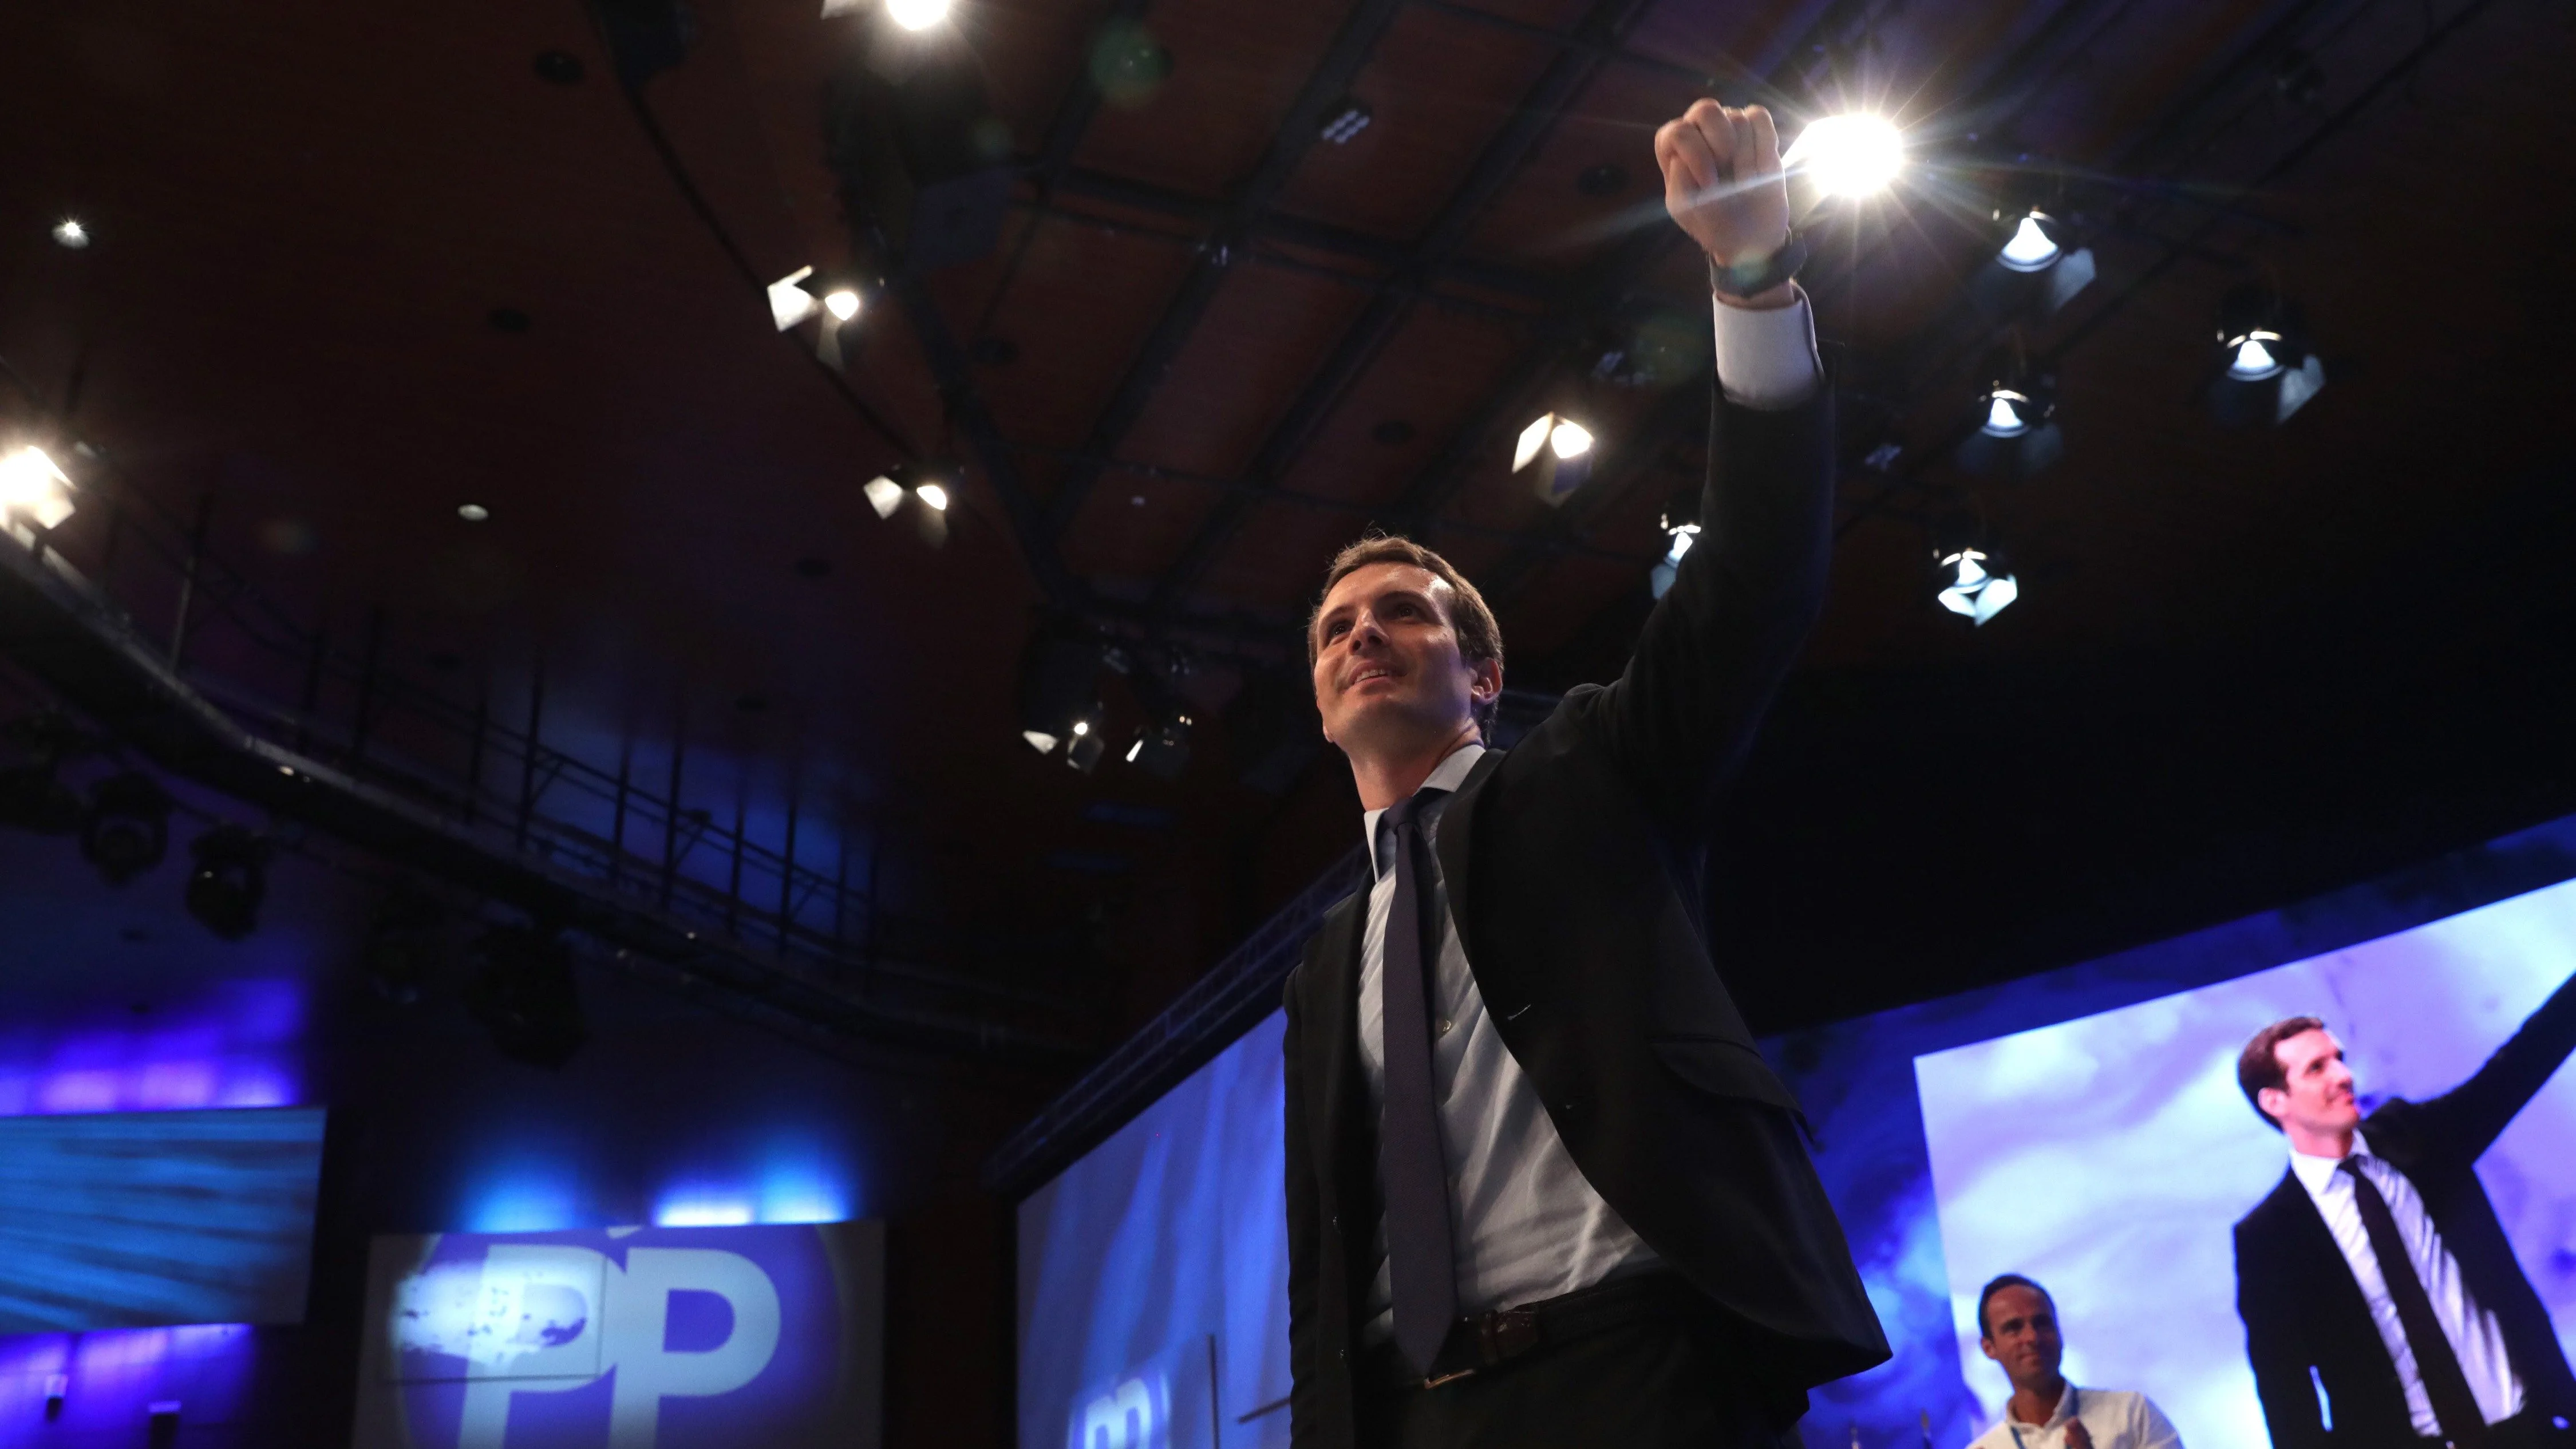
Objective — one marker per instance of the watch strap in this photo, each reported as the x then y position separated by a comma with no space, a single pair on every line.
1759,277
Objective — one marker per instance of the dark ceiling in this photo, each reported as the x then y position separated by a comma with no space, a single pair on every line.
356,266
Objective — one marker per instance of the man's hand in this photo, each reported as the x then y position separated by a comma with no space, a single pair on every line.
1722,183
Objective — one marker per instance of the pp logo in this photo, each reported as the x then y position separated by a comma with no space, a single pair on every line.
1131,1415
548,1319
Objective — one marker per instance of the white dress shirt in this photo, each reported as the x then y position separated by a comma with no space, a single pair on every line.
1524,1223
2113,1418
2475,1338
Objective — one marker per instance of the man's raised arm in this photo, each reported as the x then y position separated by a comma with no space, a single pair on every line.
1744,597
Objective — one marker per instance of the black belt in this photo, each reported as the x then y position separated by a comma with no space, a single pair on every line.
1481,1341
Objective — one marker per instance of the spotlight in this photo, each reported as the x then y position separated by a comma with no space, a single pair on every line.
842,302
1562,450
929,483
32,487
126,830
1162,750
473,512
2266,372
1059,684
789,302
525,994
1347,122
2015,436
1084,750
1849,156
1972,585
228,881
916,14
69,233
2031,249
2037,265
406,943
32,796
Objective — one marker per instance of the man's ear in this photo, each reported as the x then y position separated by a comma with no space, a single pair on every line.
1987,1346
1488,683
2273,1100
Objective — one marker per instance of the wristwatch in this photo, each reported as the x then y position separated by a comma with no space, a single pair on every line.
1756,278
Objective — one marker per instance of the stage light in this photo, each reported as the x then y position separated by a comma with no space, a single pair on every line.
32,487
2031,249
69,233
1561,449
406,943
1059,691
1162,750
526,996
2267,372
2253,361
789,302
1853,155
1084,750
126,830
228,881
1346,123
1974,590
842,302
473,512
2015,435
917,14
932,494
2005,417
884,495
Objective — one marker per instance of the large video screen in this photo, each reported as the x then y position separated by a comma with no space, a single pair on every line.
2083,1127
156,1219
1153,1289
651,1337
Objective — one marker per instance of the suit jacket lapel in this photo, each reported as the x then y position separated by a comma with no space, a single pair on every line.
1457,827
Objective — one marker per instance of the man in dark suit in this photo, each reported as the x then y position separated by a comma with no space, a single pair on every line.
2377,1274
1542,1188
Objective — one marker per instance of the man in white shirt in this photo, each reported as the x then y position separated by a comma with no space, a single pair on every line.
2376,1276
2017,1328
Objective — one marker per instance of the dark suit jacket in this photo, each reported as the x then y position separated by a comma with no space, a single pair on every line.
1573,869
2302,1309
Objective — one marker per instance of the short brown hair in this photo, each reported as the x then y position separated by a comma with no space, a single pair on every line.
1479,637
2259,1065
1999,1283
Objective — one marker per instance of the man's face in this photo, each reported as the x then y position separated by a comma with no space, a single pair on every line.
2021,1334
1387,665
2316,1094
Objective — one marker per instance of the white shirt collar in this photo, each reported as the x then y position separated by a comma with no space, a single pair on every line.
2317,1174
1451,774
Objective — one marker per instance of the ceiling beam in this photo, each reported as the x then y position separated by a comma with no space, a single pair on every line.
1500,161
1298,132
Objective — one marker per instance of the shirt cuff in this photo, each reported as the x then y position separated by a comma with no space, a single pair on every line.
1766,356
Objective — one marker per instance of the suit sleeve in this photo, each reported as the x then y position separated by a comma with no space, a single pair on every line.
2273,1346
1305,1247
2470,1117
1680,716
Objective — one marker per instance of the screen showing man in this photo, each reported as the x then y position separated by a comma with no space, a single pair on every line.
2377,1272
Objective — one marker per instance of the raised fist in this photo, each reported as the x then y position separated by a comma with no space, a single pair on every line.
1722,181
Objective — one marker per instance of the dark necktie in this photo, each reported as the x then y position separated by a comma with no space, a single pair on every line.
2453,1405
1420,1265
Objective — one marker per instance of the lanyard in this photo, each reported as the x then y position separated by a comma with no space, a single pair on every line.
2016,1428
